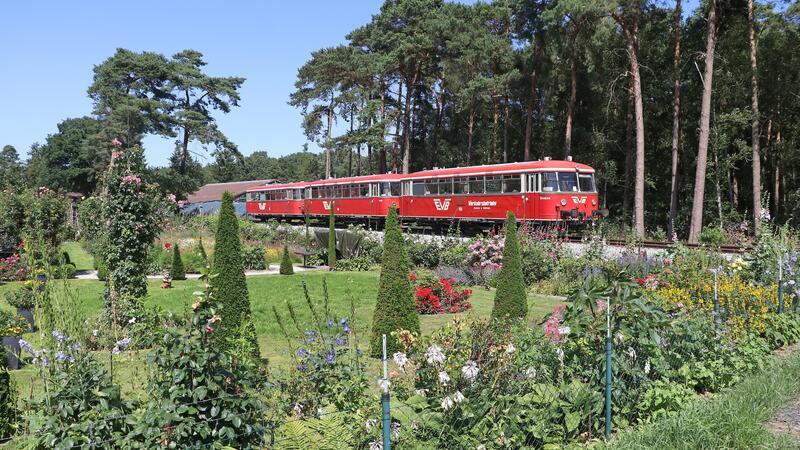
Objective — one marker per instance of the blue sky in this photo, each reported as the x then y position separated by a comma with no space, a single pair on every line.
49,48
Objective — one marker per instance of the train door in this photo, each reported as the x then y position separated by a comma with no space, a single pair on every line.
532,196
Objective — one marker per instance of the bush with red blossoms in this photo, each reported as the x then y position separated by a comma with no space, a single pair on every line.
12,268
439,295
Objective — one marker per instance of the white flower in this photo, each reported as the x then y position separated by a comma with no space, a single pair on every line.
395,430
369,424
458,397
298,409
400,359
447,403
530,372
647,368
132,321
95,332
421,392
510,348
480,447
383,384
560,354
631,352
444,378
434,355
470,370
376,445
198,293
564,331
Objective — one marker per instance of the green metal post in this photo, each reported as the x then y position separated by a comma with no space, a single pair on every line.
608,368
717,319
387,415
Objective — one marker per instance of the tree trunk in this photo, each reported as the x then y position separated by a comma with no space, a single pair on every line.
629,153
382,148
505,129
328,142
756,130
696,226
495,121
470,131
776,177
573,94
396,143
350,151
408,127
676,124
531,103
632,39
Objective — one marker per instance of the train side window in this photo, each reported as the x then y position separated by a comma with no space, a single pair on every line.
549,182
431,187
418,188
395,189
494,185
586,182
568,181
476,185
533,183
460,186
512,184
289,194
446,186
364,190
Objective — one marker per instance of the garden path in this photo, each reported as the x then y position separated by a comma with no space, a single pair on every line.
273,270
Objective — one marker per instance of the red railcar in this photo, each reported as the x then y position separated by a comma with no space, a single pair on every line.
542,191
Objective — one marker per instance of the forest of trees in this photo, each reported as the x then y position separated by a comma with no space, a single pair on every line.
689,117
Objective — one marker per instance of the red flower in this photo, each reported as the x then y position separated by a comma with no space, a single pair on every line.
167,246
412,277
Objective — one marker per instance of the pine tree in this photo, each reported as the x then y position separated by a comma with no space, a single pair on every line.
511,298
331,240
286,263
229,287
395,308
178,272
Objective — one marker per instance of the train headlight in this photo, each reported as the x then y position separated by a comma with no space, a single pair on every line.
563,202
594,202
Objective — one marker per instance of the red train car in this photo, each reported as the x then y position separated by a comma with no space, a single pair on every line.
541,191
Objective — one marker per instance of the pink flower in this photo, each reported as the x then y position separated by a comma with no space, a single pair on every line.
115,155
131,179
116,143
171,197
181,203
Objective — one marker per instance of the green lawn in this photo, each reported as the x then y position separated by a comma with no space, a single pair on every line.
78,255
277,290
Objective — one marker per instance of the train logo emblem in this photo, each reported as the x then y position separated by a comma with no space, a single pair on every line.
326,205
262,206
579,200
441,204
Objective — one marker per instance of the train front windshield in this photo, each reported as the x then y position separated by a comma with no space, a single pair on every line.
567,182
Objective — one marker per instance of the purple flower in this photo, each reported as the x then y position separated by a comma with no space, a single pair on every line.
121,346
341,341
330,323
331,357
59,336
302,353
302,367
61,356
347,329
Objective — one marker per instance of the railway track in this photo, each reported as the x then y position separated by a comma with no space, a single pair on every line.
659,245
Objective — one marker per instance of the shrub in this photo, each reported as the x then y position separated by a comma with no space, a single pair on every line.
191,370
424,252
253,257
537,263
355,264
45,218
511,299
486,251
454,255
12,219
439,296
177,272
21,298
395,308
455,273
230,285
9,413
332,239
12,268
286,262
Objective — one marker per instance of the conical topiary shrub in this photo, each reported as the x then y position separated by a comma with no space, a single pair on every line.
332,240
229,287
395,308
177,272
201,250
286,262
511,298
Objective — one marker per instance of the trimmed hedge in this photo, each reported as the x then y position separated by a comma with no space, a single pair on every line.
229,287
286,262
511,297
177,272
396,307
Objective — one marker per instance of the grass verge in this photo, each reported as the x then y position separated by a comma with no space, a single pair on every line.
732,419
